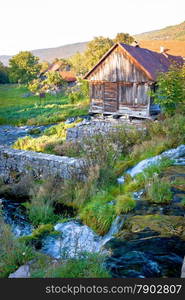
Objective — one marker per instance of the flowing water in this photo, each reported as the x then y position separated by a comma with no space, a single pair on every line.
74,238
15,217
176,154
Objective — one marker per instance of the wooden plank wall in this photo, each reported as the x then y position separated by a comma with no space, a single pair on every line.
116,68
117,85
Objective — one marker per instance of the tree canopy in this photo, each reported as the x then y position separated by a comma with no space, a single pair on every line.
170,91
83,62
123,38
24,67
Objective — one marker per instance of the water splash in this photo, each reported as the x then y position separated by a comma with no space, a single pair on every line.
75,238
177,154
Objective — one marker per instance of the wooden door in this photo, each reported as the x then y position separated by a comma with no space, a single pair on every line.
110,97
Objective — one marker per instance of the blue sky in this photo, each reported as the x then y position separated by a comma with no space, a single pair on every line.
34,24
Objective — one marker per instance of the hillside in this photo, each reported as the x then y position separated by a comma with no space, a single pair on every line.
172,37
175,47
175,32
49,54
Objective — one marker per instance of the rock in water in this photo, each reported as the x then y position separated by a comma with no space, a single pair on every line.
22,272
183,269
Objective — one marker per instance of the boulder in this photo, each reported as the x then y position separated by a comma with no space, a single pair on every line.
22,272
183,269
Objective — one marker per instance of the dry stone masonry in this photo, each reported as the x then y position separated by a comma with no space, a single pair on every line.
102,126
22,162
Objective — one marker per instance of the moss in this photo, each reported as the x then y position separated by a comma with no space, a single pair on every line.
34,131
38,234
165,225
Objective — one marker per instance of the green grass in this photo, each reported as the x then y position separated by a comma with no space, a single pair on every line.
124,204
16,110
51,137
89,265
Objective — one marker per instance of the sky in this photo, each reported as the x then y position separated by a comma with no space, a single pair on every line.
37,24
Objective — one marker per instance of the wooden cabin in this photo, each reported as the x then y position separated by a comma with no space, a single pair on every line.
121,81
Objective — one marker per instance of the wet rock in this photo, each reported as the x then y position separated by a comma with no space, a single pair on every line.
152,257
183,269
163,224
22,272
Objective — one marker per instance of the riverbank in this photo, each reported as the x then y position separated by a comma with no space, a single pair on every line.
71,206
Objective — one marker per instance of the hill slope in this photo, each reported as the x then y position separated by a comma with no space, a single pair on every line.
175,32
175,47
51,53
172,37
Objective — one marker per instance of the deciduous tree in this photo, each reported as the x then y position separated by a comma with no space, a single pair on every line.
24,67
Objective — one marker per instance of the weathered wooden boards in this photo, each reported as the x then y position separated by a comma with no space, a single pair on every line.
118,86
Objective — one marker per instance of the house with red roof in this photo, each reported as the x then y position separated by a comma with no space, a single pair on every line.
120,83
65,73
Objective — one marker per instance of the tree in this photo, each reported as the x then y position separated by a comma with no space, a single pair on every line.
3,73
36,86
53,79
52,82
123,38
96,49
170,91
78,64
24,67
44,65
83,62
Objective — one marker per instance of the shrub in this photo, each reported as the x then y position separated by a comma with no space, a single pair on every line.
170,92
124,204
158,190
71,149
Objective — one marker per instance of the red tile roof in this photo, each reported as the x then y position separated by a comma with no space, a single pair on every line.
68,76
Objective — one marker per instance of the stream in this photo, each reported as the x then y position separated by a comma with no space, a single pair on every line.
142,254
9,134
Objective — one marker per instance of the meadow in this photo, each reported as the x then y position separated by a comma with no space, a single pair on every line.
17,108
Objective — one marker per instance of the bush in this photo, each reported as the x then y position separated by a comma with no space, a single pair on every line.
158,190
124,204
71,149
170,92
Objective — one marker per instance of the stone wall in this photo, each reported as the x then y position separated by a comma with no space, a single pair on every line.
93,127
19,162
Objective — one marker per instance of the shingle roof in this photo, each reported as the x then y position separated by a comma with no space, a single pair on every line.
153,62
149,61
